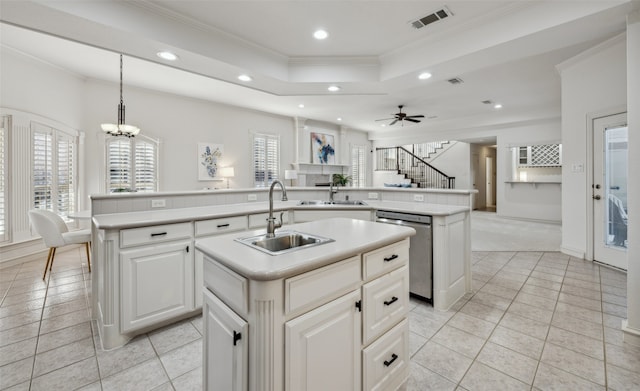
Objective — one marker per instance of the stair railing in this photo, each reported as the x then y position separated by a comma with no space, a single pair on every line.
402,161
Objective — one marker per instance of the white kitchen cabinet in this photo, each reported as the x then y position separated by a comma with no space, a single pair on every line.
226,349
386,361
323,347
157,283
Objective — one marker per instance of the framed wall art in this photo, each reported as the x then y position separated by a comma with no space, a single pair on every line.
322,148
209,156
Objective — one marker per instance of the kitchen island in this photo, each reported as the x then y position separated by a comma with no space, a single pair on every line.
331,316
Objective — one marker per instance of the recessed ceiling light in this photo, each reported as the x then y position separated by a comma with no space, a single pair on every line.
301,105
320,34
167,56
244,78
339,119
424,76
383,125
497,106
333,88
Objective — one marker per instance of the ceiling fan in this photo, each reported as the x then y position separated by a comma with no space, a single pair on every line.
400,116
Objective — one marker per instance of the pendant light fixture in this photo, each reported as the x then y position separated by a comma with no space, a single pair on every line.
121,128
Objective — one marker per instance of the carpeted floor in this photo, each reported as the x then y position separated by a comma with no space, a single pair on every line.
490,232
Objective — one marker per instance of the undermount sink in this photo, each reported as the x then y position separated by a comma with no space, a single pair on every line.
283,242
320,202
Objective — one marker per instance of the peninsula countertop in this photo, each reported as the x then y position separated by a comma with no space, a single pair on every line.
179,215
350,237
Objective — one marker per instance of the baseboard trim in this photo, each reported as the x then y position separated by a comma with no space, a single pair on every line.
572,252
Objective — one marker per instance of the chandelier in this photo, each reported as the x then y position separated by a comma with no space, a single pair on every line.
121,128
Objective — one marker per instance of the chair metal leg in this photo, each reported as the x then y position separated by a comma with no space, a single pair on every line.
86,245
53,255
46,266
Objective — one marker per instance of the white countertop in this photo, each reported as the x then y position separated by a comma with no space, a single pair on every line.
351,237
179,215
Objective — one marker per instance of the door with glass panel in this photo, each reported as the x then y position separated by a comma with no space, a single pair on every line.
610,149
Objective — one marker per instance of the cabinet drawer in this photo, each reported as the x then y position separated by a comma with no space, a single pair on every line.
385,303
228,285
221,226
317,287
385,259
259,220
385,363
156,233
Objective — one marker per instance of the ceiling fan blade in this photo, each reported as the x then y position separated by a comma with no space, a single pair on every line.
412,120
393,122
415,116
385,119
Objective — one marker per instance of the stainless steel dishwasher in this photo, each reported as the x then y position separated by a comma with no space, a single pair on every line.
420,250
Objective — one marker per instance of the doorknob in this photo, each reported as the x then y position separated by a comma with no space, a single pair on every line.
596,197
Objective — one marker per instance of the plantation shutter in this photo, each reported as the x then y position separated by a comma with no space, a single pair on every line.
66,178
266,159
145,166
119,164
4,130
358,166
42,168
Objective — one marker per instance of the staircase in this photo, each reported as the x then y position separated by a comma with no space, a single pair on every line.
405,162
426,151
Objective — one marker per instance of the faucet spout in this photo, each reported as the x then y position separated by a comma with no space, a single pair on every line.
272,225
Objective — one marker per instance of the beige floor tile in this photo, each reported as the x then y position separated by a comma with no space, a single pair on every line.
69,377
483,378
524,325
173,336
133,353
501,291
422,325
64,355
531,312
423,379
183,359
18,351
443,361
549,294
614,299
189,381
472,325
481,311
576,342
620,379
627,356
573,362
146,376
614,309
579,313
64,336
459,341
580,326
550,378
18,334
491,300
509,362
516,341
15,373
536,301
536,273
582,284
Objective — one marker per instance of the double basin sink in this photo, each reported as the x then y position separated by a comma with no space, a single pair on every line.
285,241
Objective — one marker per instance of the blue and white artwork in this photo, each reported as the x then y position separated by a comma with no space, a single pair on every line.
209,156
322,148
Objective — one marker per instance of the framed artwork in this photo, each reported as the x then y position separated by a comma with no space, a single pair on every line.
322,149
209,156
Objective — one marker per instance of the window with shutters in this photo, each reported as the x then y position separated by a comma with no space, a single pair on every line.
4,162
132,164
54,181
266,159
358,166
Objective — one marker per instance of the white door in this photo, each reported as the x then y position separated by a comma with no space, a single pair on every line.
489,178
226,347
610,139
323,347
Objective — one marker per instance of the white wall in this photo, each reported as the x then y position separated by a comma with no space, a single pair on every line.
542,202
455,161
593,83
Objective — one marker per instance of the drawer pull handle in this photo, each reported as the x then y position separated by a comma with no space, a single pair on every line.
393,358
391,258
393,300
236,337
223,225
158,234
359,305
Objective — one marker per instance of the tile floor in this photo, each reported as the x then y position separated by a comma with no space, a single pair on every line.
536,321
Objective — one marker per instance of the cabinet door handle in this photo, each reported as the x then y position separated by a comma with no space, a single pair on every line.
158,234
393,300
391,258
393,358
359,305
236,337
187,249
223,225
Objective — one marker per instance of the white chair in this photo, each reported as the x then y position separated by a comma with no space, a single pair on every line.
55,233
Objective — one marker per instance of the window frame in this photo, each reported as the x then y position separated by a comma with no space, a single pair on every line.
358,165
133,165
271,164
5,161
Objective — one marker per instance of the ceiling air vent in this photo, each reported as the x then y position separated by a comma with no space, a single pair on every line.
455,80
487,102
434,17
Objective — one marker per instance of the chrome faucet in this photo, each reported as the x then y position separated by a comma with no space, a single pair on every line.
331,191
272,225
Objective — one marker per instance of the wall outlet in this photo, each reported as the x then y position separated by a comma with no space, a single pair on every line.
252,197
373,196
418,197
158,203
